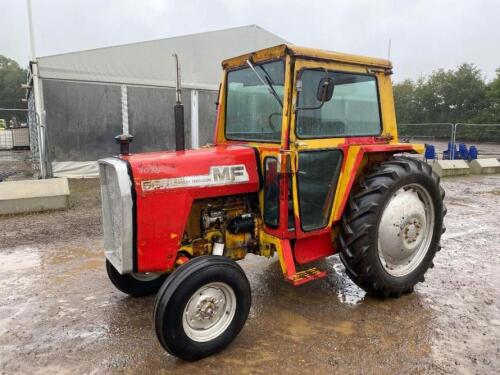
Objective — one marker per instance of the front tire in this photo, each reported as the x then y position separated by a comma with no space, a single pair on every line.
202,307
392,226
135,284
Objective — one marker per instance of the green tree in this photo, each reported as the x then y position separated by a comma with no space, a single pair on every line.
11,93
459,95
465,94
404,96
493,96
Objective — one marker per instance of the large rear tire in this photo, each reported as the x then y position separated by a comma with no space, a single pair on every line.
135,284
202,307
392,226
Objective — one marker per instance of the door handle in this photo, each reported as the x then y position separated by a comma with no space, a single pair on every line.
300,144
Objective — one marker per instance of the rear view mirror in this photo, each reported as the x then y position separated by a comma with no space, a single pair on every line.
325,89
324,92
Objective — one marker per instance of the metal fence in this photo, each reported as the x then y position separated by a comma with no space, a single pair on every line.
444,136
26,138
425,131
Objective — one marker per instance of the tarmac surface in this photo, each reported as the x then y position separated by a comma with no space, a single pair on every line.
59,314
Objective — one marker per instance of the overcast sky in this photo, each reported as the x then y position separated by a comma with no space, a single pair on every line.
425,34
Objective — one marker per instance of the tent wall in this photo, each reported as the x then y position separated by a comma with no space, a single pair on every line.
83,118
207,114
151,118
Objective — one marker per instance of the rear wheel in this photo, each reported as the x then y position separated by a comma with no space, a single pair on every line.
392,227
202,307
135,284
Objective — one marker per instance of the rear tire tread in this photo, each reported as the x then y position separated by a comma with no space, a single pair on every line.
362,214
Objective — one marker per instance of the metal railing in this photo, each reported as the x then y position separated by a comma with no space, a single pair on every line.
455,133
486,134
39,154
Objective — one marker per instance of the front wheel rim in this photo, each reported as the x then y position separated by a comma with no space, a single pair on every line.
405,230
209,312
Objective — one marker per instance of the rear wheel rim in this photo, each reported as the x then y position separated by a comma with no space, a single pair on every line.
209,312
405,230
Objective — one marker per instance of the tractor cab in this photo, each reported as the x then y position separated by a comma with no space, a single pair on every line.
312,116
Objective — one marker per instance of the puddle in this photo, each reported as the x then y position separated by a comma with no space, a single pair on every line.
19,259
349,293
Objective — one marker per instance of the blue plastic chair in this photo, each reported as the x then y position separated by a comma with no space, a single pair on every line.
472,152
430,152
447,153
463,152
456,153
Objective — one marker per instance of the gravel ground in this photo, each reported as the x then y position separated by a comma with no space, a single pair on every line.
15,165
59,314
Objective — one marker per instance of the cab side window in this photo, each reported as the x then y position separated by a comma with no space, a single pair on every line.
353,109
271,192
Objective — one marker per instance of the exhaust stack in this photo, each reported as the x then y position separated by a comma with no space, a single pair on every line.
178,109
124,140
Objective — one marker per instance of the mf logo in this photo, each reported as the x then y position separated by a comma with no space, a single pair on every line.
229,173
217,176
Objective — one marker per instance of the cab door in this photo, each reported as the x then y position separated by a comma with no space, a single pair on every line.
323,136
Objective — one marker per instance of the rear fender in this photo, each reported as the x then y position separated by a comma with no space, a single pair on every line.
356,161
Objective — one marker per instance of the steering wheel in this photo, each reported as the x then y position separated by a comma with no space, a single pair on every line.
270,120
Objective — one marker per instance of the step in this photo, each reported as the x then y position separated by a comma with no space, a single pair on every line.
33,195
305,276
444,168
485,166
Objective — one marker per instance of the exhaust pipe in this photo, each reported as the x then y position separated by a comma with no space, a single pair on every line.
178,109
124,140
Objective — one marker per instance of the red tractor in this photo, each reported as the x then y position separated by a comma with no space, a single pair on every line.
305,164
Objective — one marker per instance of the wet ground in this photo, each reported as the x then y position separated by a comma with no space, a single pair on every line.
59,314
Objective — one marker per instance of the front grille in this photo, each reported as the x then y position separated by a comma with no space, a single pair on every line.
117,213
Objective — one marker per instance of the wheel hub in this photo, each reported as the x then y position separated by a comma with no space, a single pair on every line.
405,230
411,231
209,311
207,308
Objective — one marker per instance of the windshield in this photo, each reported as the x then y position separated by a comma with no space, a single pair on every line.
252,112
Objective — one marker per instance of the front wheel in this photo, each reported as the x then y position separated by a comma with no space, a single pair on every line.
392,227
135,284
202,307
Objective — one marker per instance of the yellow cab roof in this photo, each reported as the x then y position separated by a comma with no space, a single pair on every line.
307,53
